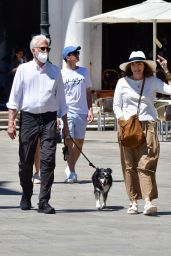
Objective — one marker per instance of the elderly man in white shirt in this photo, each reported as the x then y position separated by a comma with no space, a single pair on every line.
38,93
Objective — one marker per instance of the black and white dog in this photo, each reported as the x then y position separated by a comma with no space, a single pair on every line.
102,182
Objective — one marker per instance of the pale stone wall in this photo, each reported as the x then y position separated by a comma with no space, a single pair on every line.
66,30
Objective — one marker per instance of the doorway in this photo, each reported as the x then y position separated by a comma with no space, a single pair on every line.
19,21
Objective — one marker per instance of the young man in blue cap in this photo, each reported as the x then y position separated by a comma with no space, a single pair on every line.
77,86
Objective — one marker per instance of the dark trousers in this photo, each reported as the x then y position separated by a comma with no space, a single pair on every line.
32,127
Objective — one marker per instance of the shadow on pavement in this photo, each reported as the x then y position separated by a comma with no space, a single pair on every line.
82,182
108,208
79,182
9,207
6,191
163,213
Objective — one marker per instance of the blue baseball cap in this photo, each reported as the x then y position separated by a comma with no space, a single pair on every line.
67,50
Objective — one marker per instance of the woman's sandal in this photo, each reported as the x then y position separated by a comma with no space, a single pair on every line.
133,209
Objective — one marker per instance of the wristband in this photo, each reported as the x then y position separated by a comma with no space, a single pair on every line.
168,76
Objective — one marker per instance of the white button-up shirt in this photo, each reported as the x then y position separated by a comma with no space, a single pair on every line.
38,90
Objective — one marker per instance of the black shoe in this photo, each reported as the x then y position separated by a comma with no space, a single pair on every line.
46,208
25,203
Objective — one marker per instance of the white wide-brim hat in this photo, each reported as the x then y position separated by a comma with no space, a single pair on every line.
137,56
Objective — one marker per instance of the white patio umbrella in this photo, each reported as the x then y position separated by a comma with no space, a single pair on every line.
150,11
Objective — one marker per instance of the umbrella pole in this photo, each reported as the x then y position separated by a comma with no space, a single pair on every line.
154,39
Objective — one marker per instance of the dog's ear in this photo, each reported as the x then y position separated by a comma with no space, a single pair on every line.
97,170
109,170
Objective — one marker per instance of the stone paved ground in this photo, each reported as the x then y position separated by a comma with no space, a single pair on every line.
77,228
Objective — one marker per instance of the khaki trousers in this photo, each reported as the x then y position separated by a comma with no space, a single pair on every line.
139,165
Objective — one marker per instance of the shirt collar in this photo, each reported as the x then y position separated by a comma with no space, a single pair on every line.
38,67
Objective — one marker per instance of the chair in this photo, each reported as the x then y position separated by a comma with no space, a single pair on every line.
158,104
106,117
164,124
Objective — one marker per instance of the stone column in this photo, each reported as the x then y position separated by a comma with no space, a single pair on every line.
66,30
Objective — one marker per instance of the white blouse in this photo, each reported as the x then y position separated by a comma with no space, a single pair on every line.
127,93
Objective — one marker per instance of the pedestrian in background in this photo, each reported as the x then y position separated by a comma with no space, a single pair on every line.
139,164
38,93
77,86
18,59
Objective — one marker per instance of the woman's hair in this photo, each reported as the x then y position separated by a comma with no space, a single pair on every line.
37,38
147,70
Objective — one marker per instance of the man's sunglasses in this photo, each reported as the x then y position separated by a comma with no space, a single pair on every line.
43,49
75,53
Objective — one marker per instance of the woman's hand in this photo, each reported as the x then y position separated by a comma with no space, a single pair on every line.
120,120
163,63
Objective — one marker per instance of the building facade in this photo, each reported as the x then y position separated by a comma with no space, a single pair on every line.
104,46
66,30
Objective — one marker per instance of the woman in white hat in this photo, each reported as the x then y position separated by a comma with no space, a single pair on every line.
139,164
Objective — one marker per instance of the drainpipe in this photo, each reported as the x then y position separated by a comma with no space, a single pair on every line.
44,18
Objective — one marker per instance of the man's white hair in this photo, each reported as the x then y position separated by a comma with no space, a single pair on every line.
37,38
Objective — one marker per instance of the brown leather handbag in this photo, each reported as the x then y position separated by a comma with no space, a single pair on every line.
131,134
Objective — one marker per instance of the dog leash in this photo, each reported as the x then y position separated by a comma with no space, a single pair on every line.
66,152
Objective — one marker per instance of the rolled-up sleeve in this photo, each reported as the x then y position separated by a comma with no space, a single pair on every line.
60,97
162,87
16,91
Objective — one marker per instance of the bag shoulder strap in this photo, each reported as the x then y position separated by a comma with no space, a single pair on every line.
139,101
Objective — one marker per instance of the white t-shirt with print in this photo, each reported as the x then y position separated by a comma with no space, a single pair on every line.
76,83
